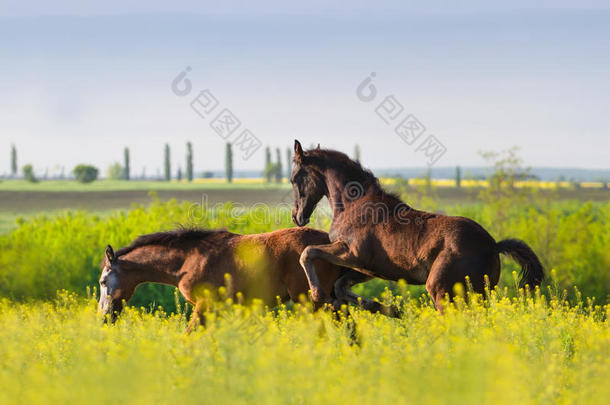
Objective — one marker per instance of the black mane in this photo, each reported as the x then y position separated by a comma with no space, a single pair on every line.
350,168
169,238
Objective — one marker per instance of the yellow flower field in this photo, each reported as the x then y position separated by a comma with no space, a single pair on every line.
505,351
535,184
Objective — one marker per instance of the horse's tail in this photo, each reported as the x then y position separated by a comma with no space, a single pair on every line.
532,272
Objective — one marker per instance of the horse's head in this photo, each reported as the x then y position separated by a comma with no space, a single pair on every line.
114,287
308,184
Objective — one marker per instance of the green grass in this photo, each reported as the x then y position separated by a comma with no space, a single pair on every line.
46,253
10,221
7,221
120,185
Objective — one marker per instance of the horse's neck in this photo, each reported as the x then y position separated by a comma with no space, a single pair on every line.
334,187
338,191
151,264
342,192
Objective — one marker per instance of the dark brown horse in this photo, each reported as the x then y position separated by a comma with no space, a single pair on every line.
378,235
264,266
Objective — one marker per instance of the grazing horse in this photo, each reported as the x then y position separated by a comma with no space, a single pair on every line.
264,266
378,235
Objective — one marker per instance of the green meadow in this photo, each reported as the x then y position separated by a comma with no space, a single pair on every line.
550,346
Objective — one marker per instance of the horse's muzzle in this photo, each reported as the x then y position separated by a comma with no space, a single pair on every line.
299,220
109,310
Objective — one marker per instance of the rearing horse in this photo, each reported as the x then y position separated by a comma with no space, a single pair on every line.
378,235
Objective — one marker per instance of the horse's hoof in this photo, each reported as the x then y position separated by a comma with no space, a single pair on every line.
323,304
320,305
338,304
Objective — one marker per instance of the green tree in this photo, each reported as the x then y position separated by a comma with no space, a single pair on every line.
13,160
428,181
126,165
115,171
28,173
507,169
189,161
288,163
166,164
501,194
85,173
458,176
229,163
357,153
268,171
179,174
278,166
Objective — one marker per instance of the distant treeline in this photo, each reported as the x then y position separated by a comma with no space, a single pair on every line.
275,168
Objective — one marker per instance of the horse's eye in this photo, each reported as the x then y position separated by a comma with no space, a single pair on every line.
103,282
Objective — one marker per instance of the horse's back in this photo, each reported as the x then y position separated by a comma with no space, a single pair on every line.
287,245
461,234
297,238
266,265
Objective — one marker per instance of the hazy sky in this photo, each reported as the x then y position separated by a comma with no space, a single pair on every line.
81,80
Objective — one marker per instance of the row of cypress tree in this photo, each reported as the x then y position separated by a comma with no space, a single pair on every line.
167,174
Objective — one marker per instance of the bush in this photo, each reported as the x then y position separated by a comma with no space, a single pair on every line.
85,173
28,173
115,172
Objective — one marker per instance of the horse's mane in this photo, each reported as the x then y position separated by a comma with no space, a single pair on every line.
340,160
169,238
352,169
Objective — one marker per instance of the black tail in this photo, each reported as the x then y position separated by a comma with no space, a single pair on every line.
532,272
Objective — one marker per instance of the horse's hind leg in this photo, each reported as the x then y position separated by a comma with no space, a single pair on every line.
442,277
449,269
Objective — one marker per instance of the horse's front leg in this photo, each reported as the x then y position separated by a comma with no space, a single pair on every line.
336,253
197,318
343,285
344,294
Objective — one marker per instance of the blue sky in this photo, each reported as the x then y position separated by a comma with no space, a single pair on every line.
81,80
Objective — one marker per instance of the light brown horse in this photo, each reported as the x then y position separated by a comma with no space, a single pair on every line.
378,235
264,266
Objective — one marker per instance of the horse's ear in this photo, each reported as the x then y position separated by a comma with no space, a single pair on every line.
318,148
298,151
110,254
